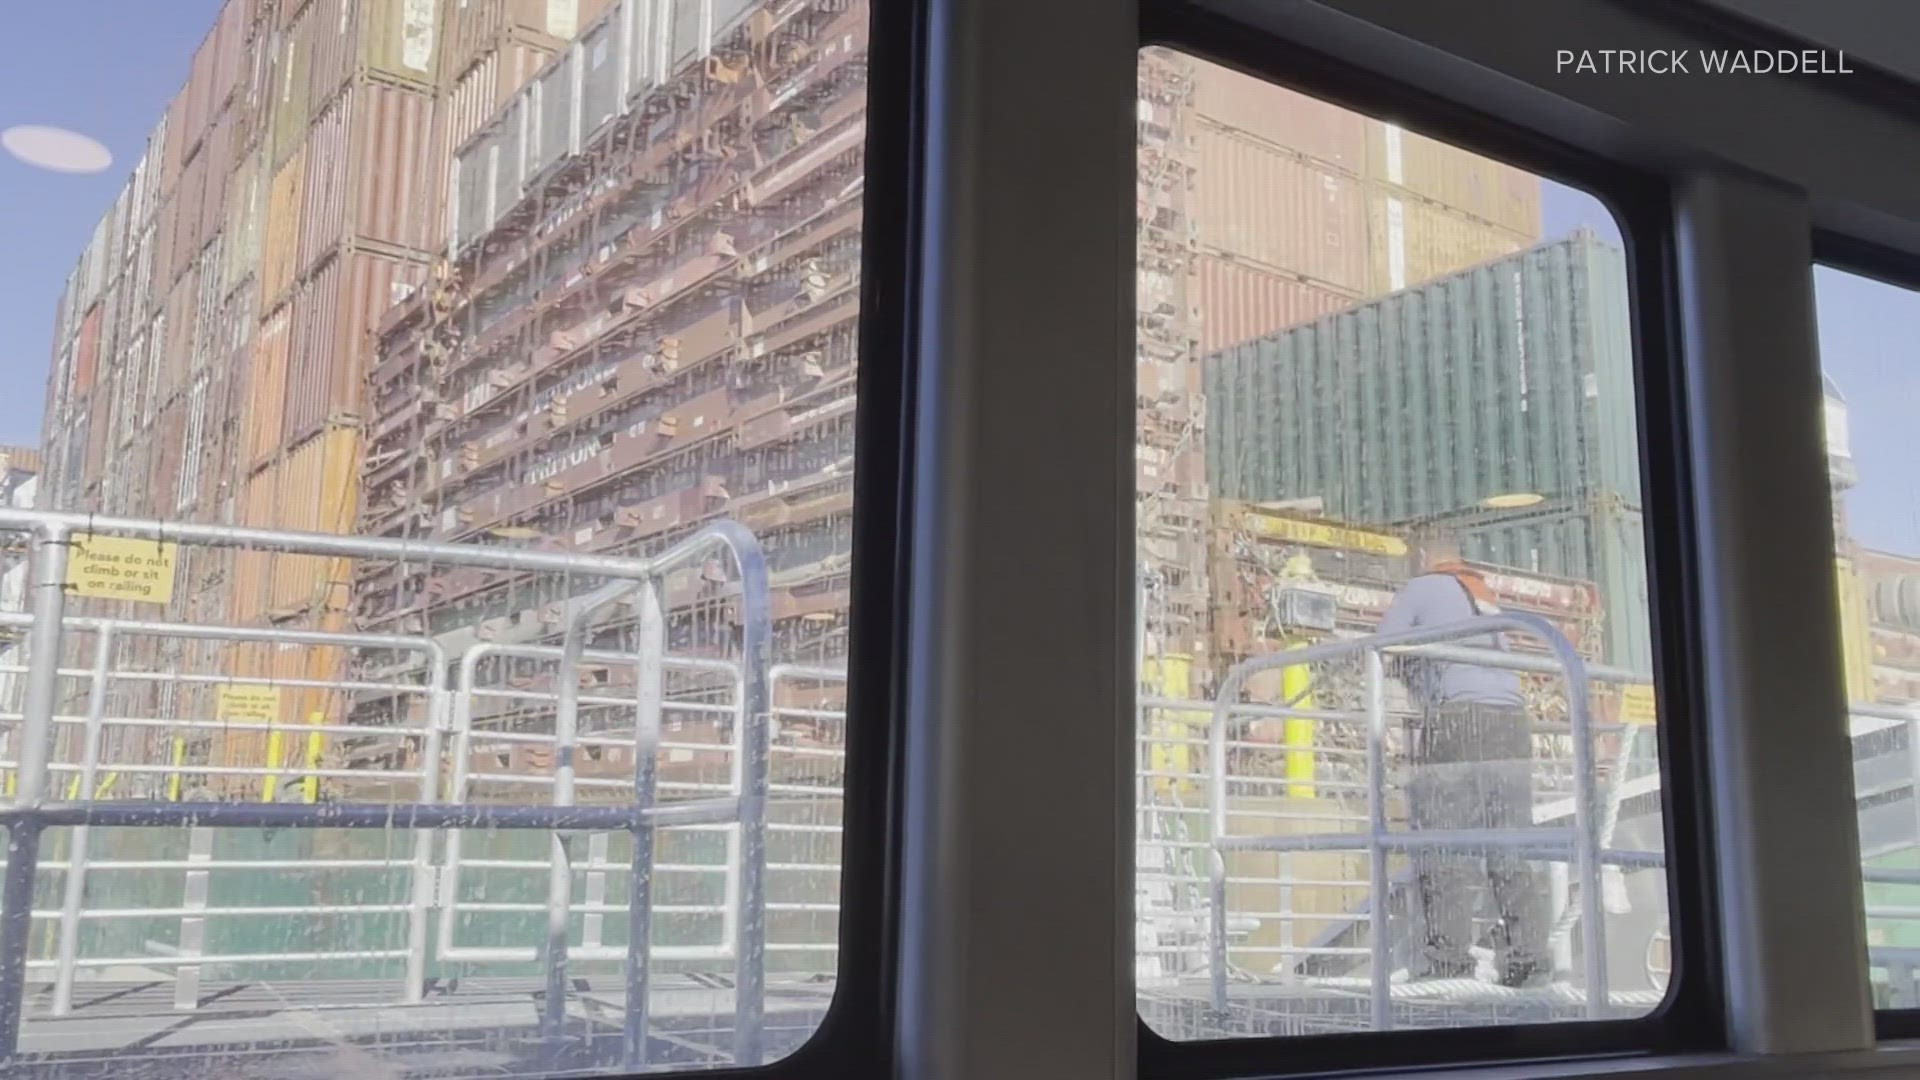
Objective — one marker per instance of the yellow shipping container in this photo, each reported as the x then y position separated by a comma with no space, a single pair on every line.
266,394
1410,242
312,488
278,250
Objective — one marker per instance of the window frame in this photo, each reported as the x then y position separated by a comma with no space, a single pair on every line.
1692,1018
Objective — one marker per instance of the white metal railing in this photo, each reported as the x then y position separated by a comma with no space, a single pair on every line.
32,754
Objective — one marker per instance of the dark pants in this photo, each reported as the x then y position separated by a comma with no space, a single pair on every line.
1472,769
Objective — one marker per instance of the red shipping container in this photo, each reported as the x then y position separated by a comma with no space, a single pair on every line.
371,174
331,350
1283,117
329,25
86,353
1236,303
323,191
398,180
1255,201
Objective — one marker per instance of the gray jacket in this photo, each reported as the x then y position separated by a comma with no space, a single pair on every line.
1434,600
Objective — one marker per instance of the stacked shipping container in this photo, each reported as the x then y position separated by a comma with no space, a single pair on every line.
212,344
1302,208
1515,377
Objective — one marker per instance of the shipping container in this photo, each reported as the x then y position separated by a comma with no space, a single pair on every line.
400,39
246,208
1235,302
330,350
371,173
86,354
182,331
323,191
1513,377
1259,203
479,92
312,487
290,90
220,164
479,27
392,40
399,175
1489,190
263,426
279,251
1411,241
1260,111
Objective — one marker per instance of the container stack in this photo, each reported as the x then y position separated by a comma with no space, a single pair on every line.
212,345
1512,378
1302,208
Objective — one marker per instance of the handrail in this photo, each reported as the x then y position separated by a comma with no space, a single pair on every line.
1377,841
32,812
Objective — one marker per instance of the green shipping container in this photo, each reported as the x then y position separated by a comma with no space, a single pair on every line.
1515,376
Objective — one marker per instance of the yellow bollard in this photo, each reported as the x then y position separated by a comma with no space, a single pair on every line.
311,786
179,759
1296,689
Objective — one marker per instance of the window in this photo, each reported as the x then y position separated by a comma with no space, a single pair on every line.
1387,429
1871,388
453,444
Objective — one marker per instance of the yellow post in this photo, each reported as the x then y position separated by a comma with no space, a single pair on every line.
179,759
1296,689
310,787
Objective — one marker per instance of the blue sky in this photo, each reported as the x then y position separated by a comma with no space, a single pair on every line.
106,68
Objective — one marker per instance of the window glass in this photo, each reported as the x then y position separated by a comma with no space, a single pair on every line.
1397,755
1872,387
452,415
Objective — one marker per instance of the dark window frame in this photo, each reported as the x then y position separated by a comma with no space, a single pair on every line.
1692,1018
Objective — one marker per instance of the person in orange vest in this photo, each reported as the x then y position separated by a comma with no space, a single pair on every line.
1471,751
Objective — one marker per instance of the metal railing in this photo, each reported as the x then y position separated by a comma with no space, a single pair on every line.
1579,844
32,812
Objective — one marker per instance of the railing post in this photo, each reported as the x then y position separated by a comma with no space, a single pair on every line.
44,639
16,928
648,694
1586,822
756,662
193,927
75,883
422,886
566,718
1378,888
49,571
1217,731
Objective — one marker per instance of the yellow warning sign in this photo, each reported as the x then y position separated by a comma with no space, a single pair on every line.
119,568
1637,704
249,703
